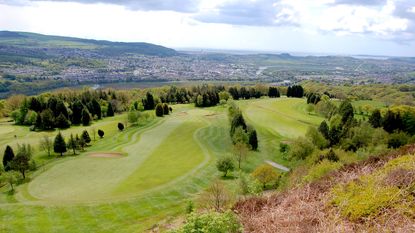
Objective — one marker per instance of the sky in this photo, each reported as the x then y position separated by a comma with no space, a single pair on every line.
345,27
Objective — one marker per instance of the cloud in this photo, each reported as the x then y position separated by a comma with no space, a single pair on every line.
186,6
250,13
361,2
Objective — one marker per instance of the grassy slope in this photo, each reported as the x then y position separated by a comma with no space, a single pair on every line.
139,211
276,120
168,161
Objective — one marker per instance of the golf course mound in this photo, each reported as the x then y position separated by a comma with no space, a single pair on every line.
105,155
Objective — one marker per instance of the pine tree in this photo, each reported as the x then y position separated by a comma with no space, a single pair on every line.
59,145
7,157
375,119
97,108
77,112
86,117
110,110
324,129
252,139
165,109
85,137
159,110
47,119
62,122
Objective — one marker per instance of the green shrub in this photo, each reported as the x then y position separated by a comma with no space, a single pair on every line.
320,170
211,222
249,185
358,200
371,194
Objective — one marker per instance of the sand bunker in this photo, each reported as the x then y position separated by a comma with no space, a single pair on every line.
105,155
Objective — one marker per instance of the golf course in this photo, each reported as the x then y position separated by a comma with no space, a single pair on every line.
135,179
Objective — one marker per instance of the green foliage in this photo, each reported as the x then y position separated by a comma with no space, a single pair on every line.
59,145
85,136
398,139
375,119
190,207
320,170
374,193
249,185
224,95
301,148
133,116
62,122
10,177
165,109
21,160
101,133
73,144
317,138
240,136
346,111
120,126
225,164
284,147
265,174
159,110
110,110
211,222
86,117
8,157
252,138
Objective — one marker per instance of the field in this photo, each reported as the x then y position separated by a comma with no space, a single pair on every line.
131,180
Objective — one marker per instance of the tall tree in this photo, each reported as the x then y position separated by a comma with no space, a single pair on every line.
47,119
240,151
21,161
62,122
85,136
375,119
324,129
97,108
346,111
59,145
77,112
7,157
46,144
86,117
252,139
110,110
159,110
73,144
165,109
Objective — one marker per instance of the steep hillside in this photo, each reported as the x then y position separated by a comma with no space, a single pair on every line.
376,195
38,45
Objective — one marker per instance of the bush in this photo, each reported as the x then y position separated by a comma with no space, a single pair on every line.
372,194
211,222
249,185
120,126
397,140
301,148
159,110
225,165
265,174
101,133
320,170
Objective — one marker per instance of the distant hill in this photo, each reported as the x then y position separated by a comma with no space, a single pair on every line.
38,45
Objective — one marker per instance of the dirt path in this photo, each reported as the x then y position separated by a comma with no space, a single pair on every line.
276,165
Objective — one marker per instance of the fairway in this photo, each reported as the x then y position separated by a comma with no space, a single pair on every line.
130,180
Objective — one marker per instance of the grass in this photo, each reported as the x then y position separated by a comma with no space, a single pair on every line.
165,162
